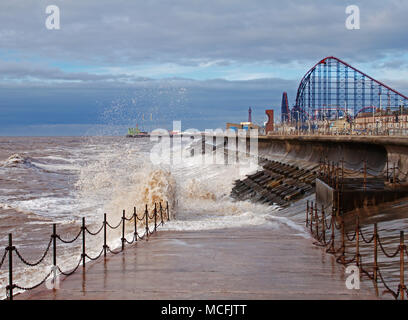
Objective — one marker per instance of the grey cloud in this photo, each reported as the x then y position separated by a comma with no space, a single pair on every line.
133,32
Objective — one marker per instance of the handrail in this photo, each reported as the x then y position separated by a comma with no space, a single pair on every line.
8,252
312,222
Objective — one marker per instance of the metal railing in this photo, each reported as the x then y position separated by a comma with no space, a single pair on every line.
323,228
334,173
158,217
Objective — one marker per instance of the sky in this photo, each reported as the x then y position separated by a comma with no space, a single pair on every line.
116,63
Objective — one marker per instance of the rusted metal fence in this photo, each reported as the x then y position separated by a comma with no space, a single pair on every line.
323,228
156,218
334,173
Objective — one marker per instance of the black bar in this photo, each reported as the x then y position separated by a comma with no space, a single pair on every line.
168,213
161,213
10,249
135,217
83,242
123,230
104,235
147,222
155,217
54,244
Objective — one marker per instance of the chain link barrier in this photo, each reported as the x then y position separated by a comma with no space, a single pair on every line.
83,230
314,220
33,264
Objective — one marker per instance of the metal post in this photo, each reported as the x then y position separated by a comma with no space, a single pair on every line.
365,174
307,213
323,226
147,222
317,222
161,213
155,217
375,254
342,174
333,229
123,229
343,238
311,218
358,243
402,249
387,169
393,176
83,242
135,217
10,249
104,235
54,244
168,212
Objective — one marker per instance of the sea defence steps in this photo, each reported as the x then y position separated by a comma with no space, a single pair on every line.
277,183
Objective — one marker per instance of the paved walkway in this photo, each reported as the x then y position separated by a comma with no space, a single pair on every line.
251,263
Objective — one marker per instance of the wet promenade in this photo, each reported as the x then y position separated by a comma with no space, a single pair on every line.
250,263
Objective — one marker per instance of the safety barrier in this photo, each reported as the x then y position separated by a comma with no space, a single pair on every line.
333,173
323,228
158,217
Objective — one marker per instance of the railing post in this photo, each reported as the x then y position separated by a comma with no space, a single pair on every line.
83,242
333,229
311,218
323,226
358,243
375,253
147,222
161,214
135,217
393,176
343,238
307,213
104,235
168,212
365,174
387,169
10,286
317,222
54,245
155,217
402,278
123,229
342,173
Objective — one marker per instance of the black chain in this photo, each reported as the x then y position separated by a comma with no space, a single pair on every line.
389,290
130,219
96,258
33,264
364,239
70,241
352,237
72,271
3,258
113,252
107,223
129,242
142,218
35,286
384,251
94,233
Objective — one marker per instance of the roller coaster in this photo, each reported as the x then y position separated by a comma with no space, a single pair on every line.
333,88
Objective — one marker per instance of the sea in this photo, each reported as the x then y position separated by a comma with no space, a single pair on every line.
60,180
